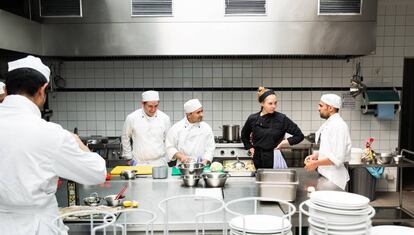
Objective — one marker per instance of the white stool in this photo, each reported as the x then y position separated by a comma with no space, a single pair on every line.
123,222
209,205
247,222
108,220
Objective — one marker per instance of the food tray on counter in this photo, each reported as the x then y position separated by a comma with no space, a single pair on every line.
86,217
248,170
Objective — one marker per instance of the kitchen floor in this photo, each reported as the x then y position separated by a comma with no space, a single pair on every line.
390,199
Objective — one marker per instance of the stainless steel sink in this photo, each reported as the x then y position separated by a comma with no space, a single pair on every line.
274,183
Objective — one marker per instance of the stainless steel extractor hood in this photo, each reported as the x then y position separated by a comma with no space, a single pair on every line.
211,27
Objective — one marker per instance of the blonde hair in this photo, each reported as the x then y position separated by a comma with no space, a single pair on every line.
260,91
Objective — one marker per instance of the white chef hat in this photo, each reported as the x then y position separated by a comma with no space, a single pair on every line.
192,105
30,62
150,96
332,100
2,91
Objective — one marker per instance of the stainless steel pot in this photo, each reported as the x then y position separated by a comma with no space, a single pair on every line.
231,133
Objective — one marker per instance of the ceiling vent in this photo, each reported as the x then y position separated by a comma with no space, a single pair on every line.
60,8
151,7
340,7
245,7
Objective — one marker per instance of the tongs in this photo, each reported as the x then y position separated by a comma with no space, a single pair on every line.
239,164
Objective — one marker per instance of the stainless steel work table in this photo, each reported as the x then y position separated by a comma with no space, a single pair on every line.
149,192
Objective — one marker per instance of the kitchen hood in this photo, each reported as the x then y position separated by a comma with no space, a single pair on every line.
214,28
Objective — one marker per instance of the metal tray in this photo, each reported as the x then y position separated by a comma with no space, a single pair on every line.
279,184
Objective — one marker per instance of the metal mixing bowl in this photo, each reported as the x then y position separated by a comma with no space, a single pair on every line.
191,180
191,168
110,200
215,179
384,158
92,200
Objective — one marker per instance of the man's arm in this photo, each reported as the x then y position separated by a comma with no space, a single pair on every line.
126,140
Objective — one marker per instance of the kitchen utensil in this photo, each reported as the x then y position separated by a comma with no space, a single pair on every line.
121,192
160,172
92,200
191,180
111,201
128,174
231,133
384,158
215,179
239,165
397,158
141,170
191,168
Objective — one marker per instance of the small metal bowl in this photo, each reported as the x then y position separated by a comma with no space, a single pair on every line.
92,200
110,200
397,158
128,174
384,158
215,179
191,180
191,168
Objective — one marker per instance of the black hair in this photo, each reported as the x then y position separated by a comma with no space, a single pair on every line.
24,81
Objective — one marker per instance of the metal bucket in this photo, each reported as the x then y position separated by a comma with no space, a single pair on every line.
231,133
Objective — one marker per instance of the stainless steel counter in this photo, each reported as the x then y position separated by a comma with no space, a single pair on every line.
149,192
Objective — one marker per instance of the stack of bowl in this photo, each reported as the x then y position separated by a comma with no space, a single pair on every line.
191,173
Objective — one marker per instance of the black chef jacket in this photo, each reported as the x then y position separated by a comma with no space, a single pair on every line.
267,132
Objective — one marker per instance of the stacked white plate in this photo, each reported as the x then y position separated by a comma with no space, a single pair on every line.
339,213
391,229
260,224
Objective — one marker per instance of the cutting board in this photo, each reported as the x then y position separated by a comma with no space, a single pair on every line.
141,170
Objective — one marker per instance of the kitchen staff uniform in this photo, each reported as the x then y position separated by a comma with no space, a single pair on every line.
267,132
335,144
33,154
195,140
148,138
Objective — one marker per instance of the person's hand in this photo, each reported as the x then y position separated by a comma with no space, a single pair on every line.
283,143
80,143
310,158
311,165
205,162
185,159
251,150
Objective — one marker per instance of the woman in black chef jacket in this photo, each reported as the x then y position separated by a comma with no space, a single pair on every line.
265,130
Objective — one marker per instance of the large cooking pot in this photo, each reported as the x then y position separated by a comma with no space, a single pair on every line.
231,133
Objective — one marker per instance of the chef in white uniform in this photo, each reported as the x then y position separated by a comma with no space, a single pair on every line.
2,91
34,153
191,139
335,143
147,128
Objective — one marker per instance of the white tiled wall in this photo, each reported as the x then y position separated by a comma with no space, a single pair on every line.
103,113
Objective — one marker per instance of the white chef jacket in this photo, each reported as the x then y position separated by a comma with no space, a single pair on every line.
195,140
335,144
33,154
148,137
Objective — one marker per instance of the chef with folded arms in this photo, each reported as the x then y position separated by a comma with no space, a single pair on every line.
34,153
335,143
2,91
191,139
147,128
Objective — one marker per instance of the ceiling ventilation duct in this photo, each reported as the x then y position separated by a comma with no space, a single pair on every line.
151,7
60,8
340,7
245,7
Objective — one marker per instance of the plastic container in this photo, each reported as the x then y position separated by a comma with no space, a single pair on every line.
160,172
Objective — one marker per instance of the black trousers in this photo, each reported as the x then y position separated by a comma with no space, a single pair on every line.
263,158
